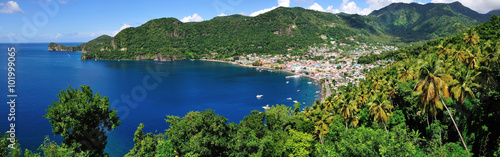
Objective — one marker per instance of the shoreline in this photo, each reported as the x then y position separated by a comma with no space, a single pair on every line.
322,94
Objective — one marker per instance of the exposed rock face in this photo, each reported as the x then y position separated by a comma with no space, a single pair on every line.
113,43
139,57
158,57
286,31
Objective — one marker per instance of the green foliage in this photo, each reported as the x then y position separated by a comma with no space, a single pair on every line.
150,145
205,133
449,149
51,148
82,119
403,109
257,63
297,28
5,150
497,153
299,144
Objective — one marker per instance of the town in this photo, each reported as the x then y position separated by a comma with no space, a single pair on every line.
333,66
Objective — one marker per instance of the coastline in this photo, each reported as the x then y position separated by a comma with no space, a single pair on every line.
322,95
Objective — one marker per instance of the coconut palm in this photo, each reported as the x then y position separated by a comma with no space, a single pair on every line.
347,110
432,86
463,89
381,108
322,121
471,37
470,59
405,71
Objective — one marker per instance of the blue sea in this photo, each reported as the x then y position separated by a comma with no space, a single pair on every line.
141,91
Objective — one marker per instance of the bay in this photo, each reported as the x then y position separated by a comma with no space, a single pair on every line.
141,91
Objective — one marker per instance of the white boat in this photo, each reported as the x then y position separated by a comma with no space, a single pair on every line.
295,101
259,96
287,82
317,92
265,107
309,82
288,98
298,90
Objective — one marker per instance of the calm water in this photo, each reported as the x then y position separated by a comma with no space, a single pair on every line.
154,89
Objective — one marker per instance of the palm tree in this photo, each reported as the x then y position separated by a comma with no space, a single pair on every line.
463,89
471,60
329,106
431,86
379,82
405,71
381,108
471,37
347,111
322,120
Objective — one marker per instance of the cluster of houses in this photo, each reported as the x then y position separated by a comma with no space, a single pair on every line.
336,68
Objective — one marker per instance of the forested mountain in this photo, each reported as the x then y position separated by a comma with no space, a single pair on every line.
279,30
414,22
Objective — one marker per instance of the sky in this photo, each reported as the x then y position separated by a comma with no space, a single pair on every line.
42,21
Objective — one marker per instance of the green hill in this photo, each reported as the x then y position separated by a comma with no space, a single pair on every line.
416,22
277,31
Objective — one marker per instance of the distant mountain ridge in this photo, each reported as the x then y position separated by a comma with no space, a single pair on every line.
278,31
428,21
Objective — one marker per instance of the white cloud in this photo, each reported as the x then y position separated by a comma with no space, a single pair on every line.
63,1
10,7
318,7
126,25
222,14
263,11
284,3
350,8
481,6
378,4
58,35
194,18
281,3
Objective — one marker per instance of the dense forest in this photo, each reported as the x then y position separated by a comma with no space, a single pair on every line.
438,99
279,31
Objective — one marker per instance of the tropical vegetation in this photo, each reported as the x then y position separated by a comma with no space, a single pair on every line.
437,99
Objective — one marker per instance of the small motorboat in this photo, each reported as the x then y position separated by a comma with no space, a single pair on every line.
259,96
265,107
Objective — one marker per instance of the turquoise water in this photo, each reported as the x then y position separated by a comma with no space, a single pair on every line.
141,91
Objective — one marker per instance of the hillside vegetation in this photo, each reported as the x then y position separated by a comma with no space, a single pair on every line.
438,99
279,31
